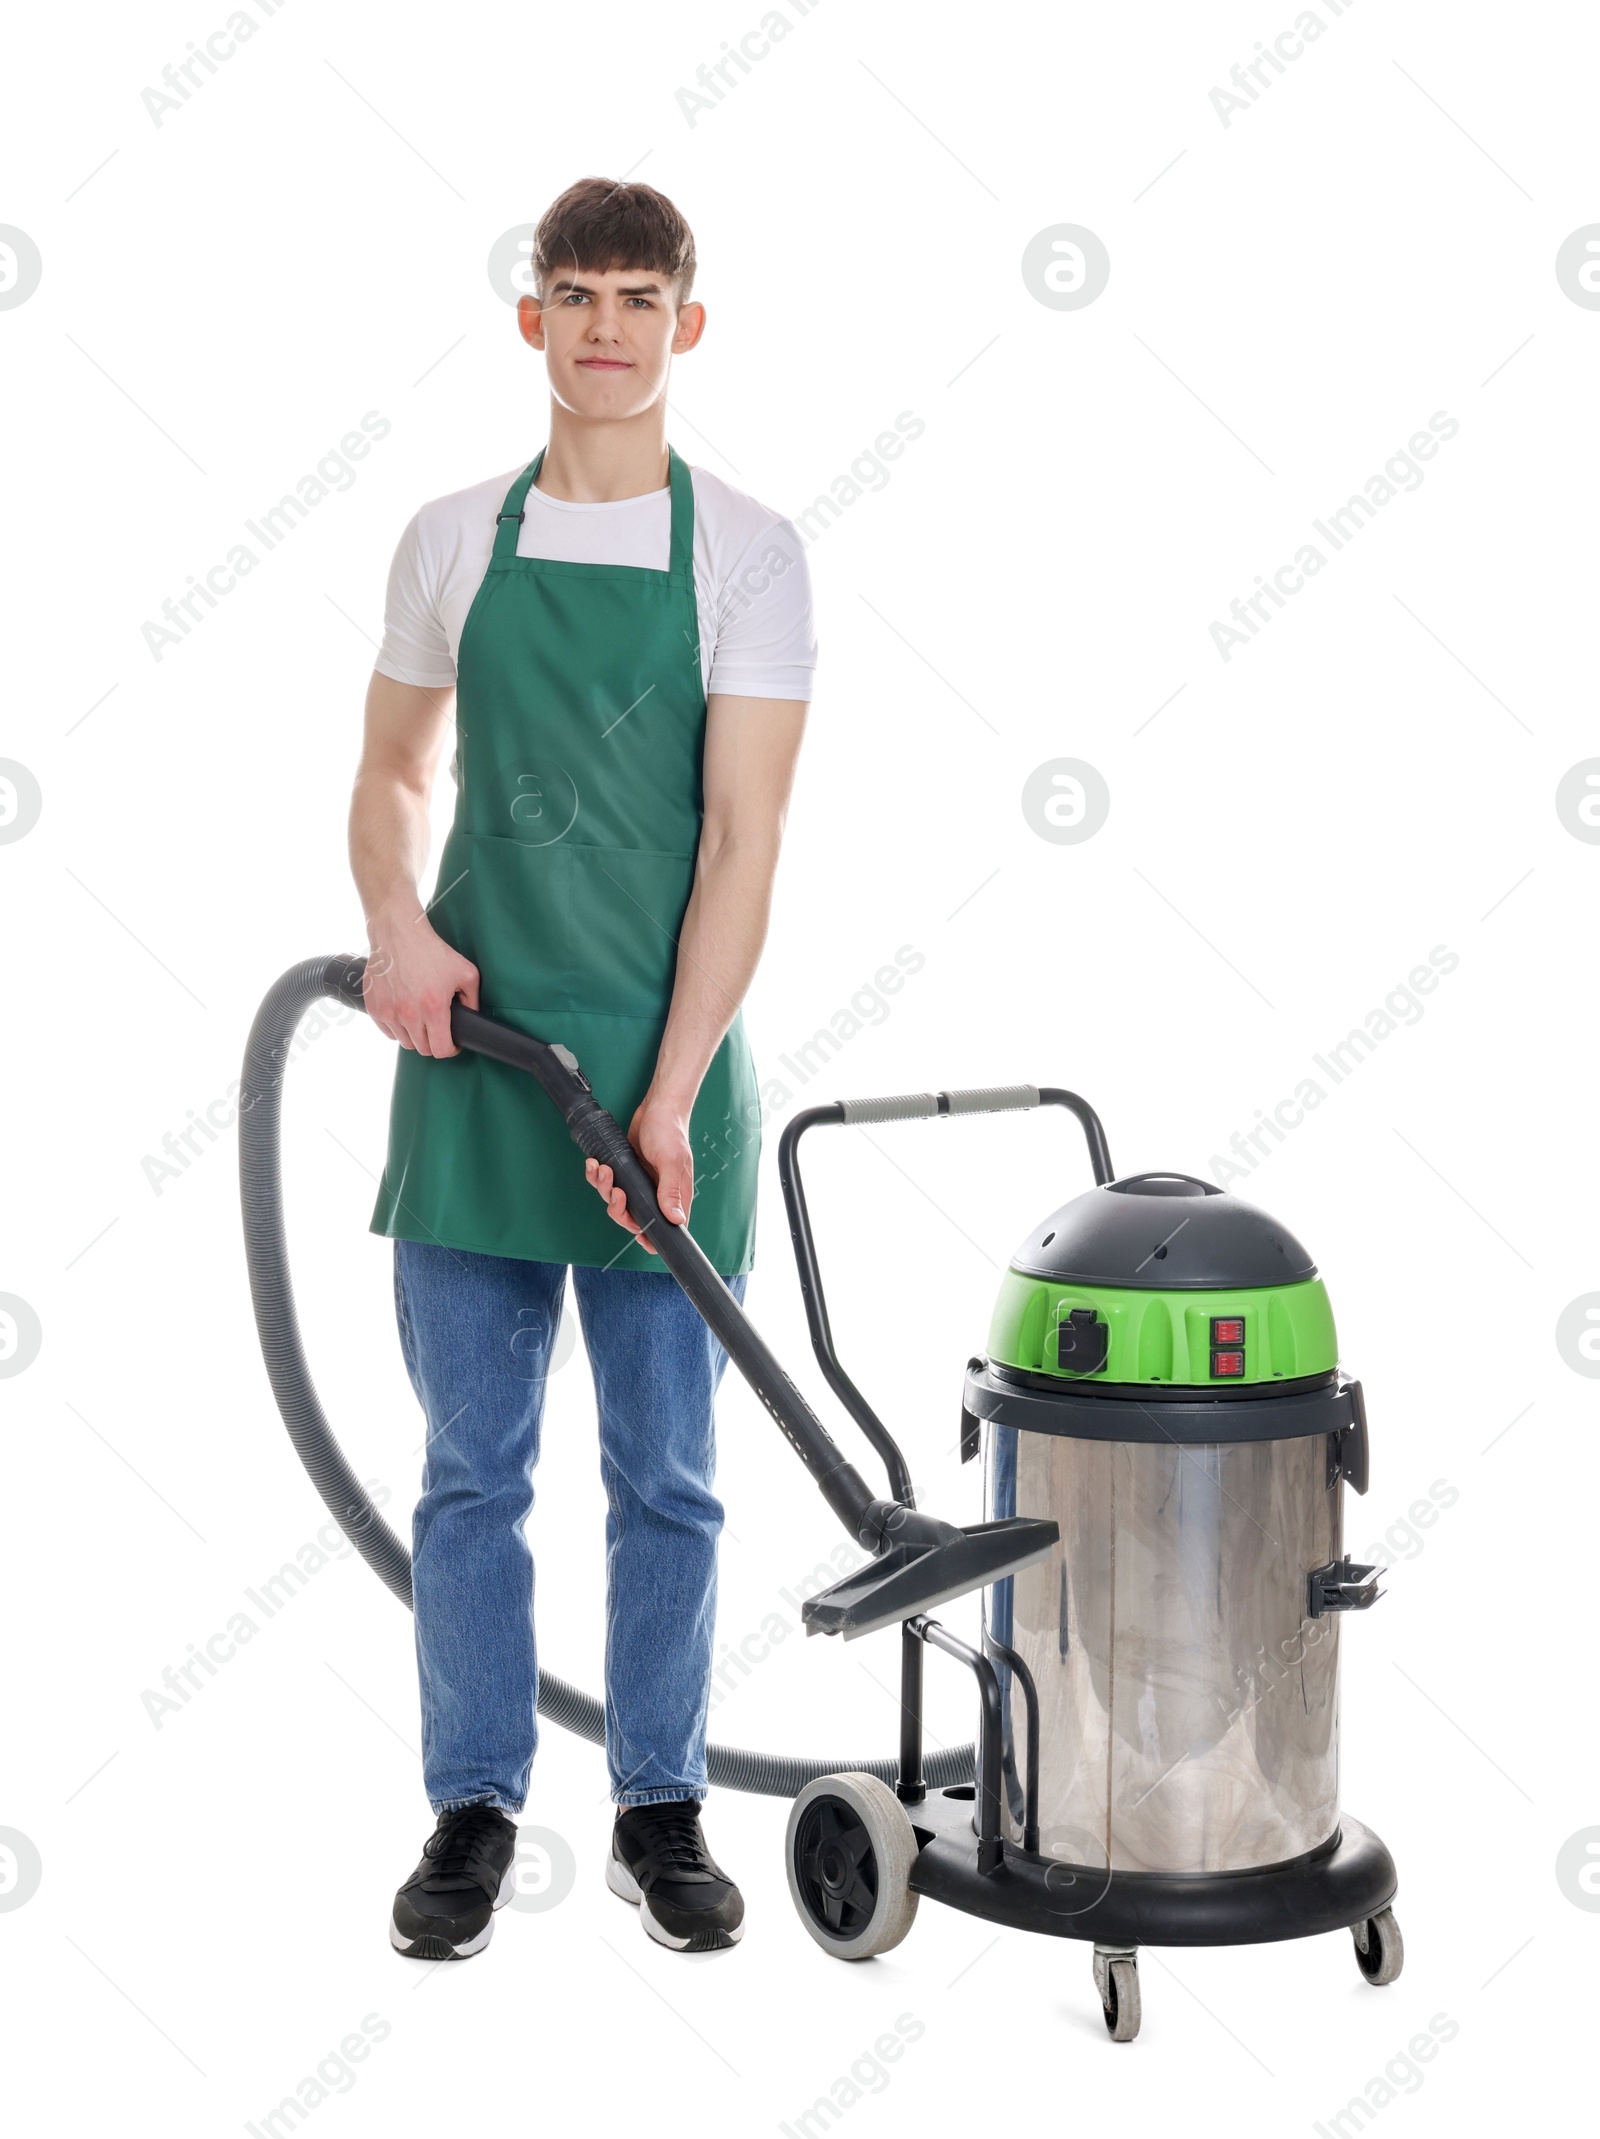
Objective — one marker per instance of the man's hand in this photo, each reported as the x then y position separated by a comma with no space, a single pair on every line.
659,1132
412,978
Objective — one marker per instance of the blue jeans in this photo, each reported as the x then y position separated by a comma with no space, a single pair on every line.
476,1331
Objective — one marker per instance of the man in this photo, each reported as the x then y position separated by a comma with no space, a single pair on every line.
628,643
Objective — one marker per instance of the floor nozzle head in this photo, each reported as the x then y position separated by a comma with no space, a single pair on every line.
911,1577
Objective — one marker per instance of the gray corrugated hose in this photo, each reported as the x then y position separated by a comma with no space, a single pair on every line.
272,1293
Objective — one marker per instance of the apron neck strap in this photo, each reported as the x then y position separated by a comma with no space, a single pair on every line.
680,557
510,517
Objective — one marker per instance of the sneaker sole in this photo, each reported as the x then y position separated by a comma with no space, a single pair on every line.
431,1946
626,1888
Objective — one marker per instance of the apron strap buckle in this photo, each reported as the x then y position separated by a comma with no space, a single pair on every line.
517,516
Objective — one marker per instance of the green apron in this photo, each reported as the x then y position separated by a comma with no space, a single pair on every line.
580,726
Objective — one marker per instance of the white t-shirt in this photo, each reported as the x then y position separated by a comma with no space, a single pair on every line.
752,588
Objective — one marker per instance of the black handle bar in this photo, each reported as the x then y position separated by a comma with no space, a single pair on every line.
910,1106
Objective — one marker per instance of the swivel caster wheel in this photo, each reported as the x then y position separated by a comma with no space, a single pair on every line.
849,1853
1380,1951
1116,1978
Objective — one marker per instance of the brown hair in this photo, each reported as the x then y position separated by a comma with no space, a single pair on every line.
602,223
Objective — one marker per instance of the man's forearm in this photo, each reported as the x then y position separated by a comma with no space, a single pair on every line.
388,851
412,975
404,734
719,948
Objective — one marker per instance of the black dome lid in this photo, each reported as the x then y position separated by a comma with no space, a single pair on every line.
1163,1232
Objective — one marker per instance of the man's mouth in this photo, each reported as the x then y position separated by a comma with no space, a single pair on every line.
600,363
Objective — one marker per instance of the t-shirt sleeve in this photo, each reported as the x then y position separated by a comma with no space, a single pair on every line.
766,640
416,647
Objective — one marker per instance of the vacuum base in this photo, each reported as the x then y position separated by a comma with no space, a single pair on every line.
1344,1883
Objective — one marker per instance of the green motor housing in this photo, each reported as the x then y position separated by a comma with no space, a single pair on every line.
1162,1281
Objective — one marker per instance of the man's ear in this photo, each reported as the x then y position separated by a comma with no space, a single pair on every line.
691,325
530,318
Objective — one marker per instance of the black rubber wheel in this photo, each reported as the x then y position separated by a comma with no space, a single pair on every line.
849,1856
1380,1950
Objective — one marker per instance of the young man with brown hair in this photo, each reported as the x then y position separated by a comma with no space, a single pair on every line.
628,644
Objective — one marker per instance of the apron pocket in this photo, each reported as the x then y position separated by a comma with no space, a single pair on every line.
627,907
508,907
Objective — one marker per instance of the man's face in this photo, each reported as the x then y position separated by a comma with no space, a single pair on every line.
609,339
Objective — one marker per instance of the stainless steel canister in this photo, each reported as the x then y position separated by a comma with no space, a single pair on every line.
1189,1707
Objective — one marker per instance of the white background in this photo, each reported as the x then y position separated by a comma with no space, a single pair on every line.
1291,297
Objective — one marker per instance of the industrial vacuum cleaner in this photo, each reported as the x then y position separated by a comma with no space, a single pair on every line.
1166,1435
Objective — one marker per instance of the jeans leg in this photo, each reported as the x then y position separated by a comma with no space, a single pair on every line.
656,1370
477,1333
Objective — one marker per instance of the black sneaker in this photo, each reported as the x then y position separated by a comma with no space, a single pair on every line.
659,1859
446,1908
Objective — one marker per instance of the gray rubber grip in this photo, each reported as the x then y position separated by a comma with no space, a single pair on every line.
993,1099
917,1106
911,1106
